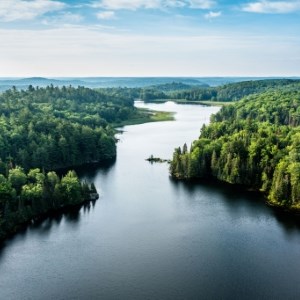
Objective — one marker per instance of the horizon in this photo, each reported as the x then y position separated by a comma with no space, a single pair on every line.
154,38
150,76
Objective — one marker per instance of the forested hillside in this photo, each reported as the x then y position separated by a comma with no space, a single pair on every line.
255,142
228,92
55,127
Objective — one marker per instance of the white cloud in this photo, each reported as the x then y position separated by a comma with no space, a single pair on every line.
273,7
13,10
212,15
127,4
202,4
154,4
106,15
63,18
174,3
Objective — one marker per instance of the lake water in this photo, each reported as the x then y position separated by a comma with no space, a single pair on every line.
148,237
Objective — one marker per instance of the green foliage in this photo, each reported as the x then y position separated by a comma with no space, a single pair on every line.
255,142
54,127
24,197
17,178
71,188
225,93
50,128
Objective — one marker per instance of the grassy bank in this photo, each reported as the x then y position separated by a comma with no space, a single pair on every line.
145,116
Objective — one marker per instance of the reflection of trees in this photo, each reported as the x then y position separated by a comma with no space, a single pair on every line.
290,223
88,172
239,202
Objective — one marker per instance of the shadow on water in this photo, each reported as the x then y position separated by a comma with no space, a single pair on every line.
236,197
88,206
42,226
231,193
290,222
90,170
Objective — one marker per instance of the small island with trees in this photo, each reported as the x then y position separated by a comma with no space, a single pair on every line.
153,159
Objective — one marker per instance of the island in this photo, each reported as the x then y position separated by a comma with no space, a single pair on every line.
153,159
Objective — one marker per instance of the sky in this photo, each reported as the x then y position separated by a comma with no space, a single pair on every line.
56,38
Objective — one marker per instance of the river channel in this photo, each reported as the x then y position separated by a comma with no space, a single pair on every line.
148,237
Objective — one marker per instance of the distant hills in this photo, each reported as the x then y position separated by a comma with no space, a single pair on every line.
130,82
23,83
96,82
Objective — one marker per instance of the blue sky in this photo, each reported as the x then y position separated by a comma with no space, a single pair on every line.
149,38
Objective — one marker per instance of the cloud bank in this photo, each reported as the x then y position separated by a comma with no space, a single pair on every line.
18,10
94,52
152,4
272,7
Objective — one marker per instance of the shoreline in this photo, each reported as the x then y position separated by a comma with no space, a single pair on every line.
40,218
45,215
184,101
279,208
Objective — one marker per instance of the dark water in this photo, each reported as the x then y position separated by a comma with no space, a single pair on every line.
148,237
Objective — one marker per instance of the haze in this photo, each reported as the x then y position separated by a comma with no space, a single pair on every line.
149,38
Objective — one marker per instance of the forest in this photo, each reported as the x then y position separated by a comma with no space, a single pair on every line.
254,142
46,129
28,196
55,127
223,93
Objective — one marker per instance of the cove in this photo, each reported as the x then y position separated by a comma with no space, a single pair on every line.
149,237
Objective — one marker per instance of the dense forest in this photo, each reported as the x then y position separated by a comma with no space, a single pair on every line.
55,127
48,129
254,142
224,93
27,196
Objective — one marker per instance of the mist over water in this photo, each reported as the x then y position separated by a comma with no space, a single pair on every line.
151,237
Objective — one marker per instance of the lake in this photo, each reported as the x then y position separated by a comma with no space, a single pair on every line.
149,237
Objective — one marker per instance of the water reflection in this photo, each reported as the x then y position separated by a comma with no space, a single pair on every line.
237,200
42,227
289,222
90,170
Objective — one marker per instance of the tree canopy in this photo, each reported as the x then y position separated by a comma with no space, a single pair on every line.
44,129
224,93
26,196
60,127
255,142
